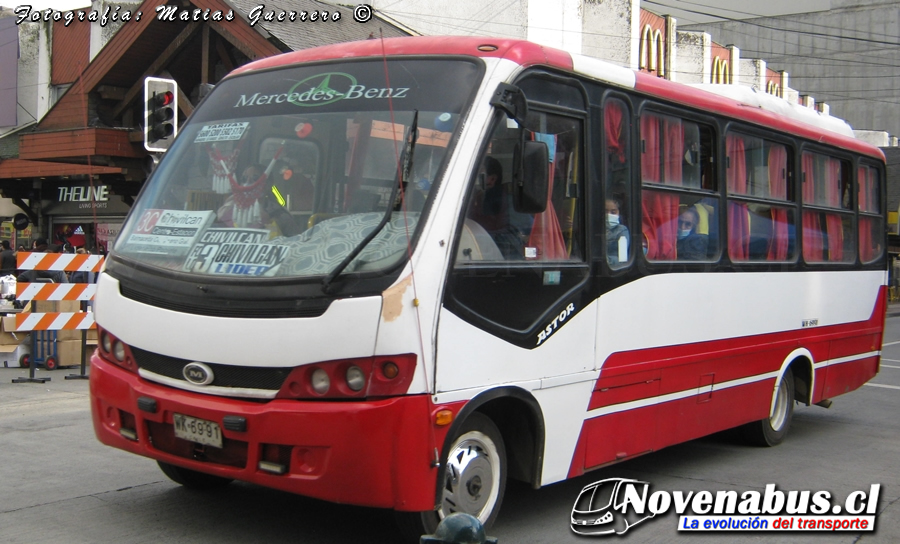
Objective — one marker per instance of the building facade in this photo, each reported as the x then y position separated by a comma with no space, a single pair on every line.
845,57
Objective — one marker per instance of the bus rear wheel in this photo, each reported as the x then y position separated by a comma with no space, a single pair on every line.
474,479
772,430
192,479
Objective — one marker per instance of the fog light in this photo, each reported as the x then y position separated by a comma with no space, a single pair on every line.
320,381
356,379
274,468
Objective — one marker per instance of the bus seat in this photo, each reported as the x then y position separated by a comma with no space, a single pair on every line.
709,226
475,244
704,211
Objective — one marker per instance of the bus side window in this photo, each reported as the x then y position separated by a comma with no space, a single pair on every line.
828,234
556,234
871,223
511,267
617,205
678,197
757,171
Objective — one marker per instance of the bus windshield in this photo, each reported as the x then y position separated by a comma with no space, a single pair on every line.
284,173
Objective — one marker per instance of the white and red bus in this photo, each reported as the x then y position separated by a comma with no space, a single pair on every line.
397,273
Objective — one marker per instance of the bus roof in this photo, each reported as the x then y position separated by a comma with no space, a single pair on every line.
734,101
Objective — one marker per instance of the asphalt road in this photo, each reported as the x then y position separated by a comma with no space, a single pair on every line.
58,484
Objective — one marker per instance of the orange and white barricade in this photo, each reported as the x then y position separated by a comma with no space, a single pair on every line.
56,320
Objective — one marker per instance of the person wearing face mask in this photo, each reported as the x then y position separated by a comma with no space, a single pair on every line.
617,236
691,245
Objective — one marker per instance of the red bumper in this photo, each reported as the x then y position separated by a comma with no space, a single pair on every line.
371,453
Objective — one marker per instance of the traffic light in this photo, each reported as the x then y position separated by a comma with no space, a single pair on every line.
160,113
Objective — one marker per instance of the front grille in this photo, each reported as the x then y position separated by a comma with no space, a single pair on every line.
225,375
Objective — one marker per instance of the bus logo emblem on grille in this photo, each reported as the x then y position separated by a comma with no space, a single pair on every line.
198,373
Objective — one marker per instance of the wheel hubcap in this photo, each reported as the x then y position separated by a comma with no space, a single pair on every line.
779,414
471,483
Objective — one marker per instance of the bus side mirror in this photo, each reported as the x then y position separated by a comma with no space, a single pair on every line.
530,178
531,158
511,100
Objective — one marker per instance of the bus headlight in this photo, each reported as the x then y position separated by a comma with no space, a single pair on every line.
119,351
320,381
115,351
356,378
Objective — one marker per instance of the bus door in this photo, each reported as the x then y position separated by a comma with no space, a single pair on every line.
513,309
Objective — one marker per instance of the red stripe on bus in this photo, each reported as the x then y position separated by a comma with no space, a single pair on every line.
749,356
847,338
696,369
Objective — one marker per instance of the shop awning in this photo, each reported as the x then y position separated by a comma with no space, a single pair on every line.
21,168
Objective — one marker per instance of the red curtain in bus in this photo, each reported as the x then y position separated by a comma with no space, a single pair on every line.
674,150
866,251
615,144
660,210
738,218
833,222
812,234
778,246
546,234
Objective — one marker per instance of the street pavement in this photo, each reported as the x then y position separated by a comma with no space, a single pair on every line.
58,484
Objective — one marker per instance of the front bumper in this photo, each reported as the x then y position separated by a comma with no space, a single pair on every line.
376,453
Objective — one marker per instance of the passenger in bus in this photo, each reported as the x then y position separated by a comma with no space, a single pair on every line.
491,209
617,236
691,245
294,184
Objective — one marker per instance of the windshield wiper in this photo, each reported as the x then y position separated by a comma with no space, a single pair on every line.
403,178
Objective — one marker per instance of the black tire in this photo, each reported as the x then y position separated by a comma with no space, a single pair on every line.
772,431
474,479
51,364
25,361
192,479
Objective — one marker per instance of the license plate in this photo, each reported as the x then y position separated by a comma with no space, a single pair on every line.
197,430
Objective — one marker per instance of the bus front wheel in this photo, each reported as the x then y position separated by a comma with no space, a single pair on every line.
474,478
772,430
192,479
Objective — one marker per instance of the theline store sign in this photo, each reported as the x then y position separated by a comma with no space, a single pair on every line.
96,196
85,200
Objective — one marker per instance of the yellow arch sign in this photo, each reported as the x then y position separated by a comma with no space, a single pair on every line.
652,51
720,71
